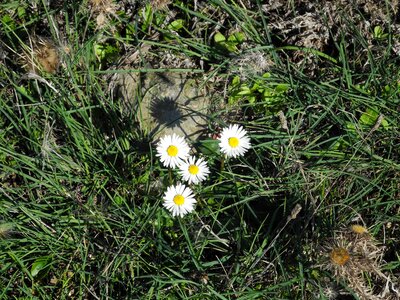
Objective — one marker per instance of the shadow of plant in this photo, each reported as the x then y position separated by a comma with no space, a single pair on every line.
166,111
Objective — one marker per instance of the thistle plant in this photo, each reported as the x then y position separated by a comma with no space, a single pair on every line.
354,256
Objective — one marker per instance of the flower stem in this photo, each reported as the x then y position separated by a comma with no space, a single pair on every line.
221,167
170,176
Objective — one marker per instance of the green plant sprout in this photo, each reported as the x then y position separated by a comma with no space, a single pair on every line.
267,95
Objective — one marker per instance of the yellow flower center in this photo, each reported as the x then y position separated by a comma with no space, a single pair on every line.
179,200
172,150
193,169
340,256
233,142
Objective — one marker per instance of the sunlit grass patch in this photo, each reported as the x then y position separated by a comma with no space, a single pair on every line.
90,198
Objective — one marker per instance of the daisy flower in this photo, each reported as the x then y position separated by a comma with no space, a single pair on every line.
234,141
194,171
172,150
179,200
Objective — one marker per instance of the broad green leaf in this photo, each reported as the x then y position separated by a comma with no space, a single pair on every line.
21,12
40,264
377,31
244,90
252,99
209,147
369,117
230,46
235,81
176,25
219,37
282,87
266,75
351,127
9,21
237,37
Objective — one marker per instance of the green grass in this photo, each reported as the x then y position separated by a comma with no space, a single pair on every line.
81,188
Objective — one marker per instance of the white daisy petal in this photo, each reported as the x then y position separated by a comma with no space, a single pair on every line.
172,150
234,141
179,200
194,171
